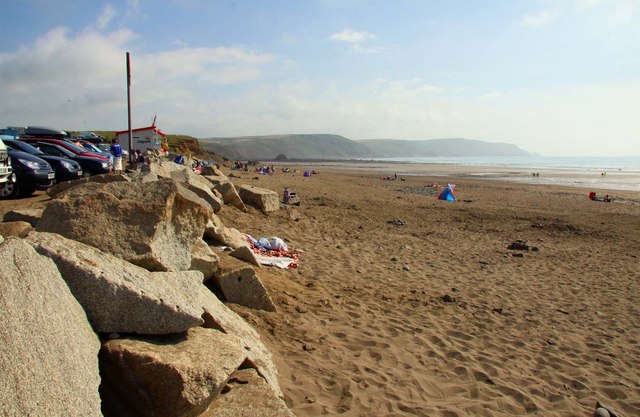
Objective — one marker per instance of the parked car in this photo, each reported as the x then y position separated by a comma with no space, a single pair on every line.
106,147
6,172
32,173
90,166
43,132
70,146
90,137
90,147
66,169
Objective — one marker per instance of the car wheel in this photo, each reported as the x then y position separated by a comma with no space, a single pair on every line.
8,190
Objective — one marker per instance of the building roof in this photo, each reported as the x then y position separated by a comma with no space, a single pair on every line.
154,128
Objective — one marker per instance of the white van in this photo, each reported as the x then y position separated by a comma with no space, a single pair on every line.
6,173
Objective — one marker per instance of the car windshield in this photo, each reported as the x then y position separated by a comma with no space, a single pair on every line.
92,148
24,147
54,150
75,148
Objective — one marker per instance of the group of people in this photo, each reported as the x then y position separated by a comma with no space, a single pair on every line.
116,150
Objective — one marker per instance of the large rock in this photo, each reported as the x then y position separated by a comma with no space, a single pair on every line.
227,190
144,177
246,254
184,175
15,229
203,259
199,186
61,187
211,170
216,179
48,352
228,236
247,395
153,225
218,316
230,195
119,296
167,377
265,200
161,169
240,285
31,216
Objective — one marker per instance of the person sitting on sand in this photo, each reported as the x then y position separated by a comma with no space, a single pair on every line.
138,159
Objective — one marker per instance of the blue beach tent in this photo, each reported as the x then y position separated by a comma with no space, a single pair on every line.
447,193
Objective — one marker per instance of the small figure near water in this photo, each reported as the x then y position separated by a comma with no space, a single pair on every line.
606,198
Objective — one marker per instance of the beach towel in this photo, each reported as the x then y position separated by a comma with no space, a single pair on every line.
273,251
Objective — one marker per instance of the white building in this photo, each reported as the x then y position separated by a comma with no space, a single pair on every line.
143,138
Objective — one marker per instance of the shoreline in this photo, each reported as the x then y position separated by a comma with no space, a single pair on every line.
588,179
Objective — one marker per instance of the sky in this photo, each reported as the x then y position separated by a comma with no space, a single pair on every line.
557,78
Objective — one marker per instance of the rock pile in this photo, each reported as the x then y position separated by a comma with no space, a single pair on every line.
106,311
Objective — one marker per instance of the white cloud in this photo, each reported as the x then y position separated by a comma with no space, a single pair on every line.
78,81
108,13
539,19
355,40
352,36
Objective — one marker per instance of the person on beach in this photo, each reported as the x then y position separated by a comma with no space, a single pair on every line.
116,151
139,160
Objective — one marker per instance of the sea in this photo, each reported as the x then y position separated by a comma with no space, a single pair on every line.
608,173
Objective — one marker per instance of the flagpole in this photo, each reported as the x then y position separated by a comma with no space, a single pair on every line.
129,108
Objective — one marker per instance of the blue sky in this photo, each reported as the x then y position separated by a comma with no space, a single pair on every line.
553,77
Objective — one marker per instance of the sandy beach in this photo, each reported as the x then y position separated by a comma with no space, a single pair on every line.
437,317
404,305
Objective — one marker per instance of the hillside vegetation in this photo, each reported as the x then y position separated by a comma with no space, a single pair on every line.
321,146
327,146
292,146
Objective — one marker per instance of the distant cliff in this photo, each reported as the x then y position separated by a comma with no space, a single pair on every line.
324,146
292,146
393,148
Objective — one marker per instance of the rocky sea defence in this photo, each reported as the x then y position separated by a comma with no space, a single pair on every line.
110,305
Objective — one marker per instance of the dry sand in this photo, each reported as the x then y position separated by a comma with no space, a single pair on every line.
363,328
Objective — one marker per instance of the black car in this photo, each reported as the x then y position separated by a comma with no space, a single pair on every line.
43,132
90,137
32,173
66,169
90,166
